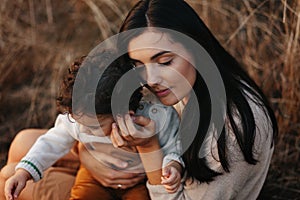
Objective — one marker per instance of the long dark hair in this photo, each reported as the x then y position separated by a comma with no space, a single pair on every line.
239,87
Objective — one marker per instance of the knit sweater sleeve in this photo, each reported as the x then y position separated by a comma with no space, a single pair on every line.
49,147
244,181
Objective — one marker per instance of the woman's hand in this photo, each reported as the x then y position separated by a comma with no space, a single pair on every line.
105,174
128,134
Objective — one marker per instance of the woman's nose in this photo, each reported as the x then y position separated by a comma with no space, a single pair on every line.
153,74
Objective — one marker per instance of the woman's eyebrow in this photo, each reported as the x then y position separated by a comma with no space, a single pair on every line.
159,54
152,57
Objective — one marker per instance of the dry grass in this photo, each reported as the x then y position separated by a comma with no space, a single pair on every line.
38,40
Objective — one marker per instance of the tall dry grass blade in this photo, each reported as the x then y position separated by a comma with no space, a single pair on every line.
284,11
288,49
296,39
114,7
32,21
288,7
211,5
244,22
49,11
100,19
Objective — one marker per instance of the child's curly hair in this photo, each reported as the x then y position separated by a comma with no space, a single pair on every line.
104,90
64,98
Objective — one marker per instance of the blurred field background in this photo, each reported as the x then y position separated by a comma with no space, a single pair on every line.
40,39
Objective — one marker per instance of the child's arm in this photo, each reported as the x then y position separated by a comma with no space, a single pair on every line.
173,165
171,176
49,148
15,184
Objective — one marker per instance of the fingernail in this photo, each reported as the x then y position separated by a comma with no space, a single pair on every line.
114,125
124,164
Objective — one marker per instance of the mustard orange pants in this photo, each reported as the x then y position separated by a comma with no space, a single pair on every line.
87,188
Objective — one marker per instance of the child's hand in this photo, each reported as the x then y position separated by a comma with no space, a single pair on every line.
15,184
127,134
171,177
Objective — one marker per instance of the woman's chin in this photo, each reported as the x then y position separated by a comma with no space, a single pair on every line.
168,101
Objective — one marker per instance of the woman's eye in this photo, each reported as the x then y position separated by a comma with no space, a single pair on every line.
166,63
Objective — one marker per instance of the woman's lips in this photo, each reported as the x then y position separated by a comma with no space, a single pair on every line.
163,93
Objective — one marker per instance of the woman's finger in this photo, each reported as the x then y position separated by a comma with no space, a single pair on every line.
131,128
116,138
112,137
122,126
141,120
131,180
130,135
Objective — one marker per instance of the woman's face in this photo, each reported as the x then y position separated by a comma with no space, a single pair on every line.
168,66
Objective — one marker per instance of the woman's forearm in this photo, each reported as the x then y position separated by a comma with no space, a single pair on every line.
152,158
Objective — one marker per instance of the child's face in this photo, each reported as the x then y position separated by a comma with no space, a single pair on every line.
99,127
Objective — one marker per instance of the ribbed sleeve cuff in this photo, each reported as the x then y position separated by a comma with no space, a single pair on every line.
158,191
32,167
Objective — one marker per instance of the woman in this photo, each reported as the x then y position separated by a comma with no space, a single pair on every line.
232,165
